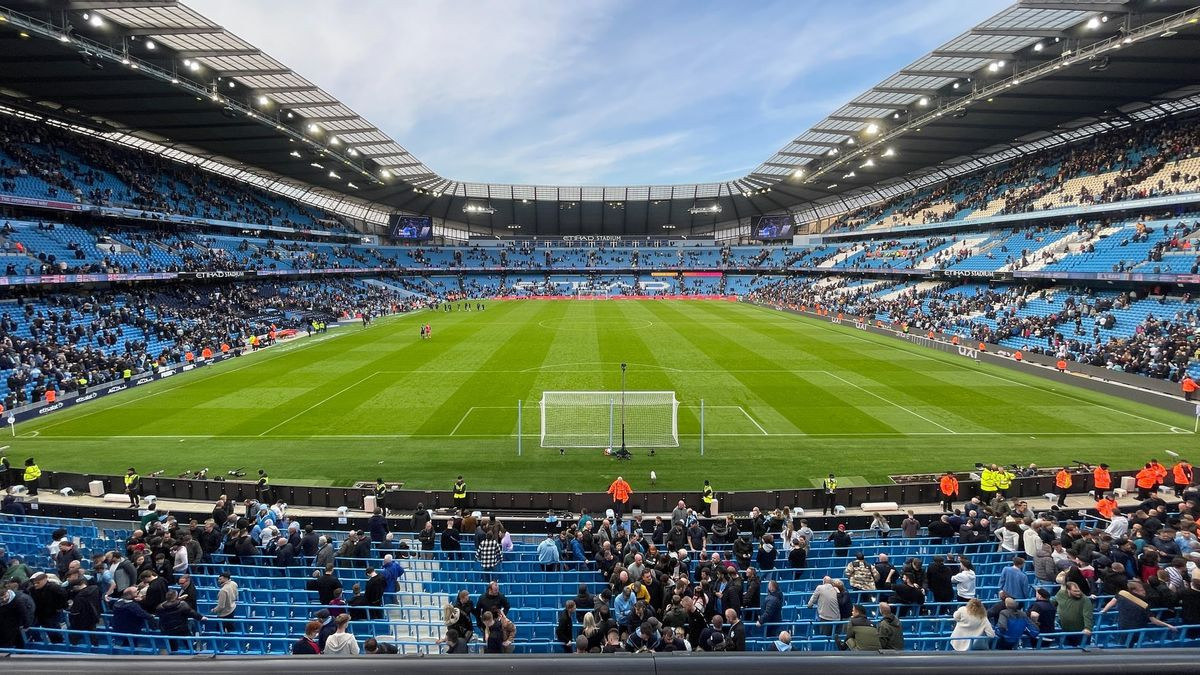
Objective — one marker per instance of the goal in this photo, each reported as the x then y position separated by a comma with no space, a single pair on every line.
594,419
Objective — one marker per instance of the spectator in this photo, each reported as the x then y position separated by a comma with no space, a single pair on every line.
488,552
891,630
1013,626
341,643
783,643
1014,581
173,619
860,634
736,630
964,581
455,644
307,644
565,631
128,617
374,646
772,605
227,597
1133,610
825,599
491,601
549,554
49,600
971,626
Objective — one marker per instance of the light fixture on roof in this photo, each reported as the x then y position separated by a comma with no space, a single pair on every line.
316,165
798,173
96,20
849,175
263,100
896,115
872,128
215,97
486,209
923,101
353,152
64,38
333,174
955,85
174,80
352,186
869,163
699,209
385,173
1039,47
150,44
513,226
232,84
1093,23
313,128
832,152
192,65
335,141
849,141
124,60
295,153
889,152
831,186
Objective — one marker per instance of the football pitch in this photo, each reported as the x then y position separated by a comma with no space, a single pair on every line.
787,399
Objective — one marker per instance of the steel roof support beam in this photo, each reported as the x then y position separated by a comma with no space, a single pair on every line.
201,53
175,30
968,54
956,74
1019,32
250,73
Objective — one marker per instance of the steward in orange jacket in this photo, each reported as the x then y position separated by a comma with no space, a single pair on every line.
949,489
620,492
1182,473
1145,481
1107,506
1188,385
1160,473
1101,481
1062,485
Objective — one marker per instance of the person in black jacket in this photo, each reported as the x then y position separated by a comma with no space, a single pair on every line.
455,644
420,516
285,553
492,600
736,632
373,595
49,600
84,610
154,591
466,610
451,540
324,584
187,590
937,579
173,616
565,631
308,643
309,543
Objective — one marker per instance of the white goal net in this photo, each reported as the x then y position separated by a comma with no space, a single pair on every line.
594,419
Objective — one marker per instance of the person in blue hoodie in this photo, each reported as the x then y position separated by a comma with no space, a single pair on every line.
128,617
784,642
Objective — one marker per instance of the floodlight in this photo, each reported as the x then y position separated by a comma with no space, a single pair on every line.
798,173
64,38
150,45
889,152
194,65
96,20
923,101
263,100
872,128
1093,23
1039,47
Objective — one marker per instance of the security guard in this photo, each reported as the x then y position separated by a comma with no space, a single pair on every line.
987,483
5,467
948,486
460,493
1062,485
263,487
127,374
830,485
133,484
1101,481
707,499
1004,479
380,494
32,473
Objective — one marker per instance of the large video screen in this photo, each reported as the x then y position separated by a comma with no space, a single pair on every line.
773,227
411,228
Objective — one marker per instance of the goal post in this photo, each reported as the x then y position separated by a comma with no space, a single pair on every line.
594,419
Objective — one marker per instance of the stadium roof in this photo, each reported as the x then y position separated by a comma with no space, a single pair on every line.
159,70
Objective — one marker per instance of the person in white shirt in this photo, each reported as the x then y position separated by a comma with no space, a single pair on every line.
1119,526
964,581
971,621
341,643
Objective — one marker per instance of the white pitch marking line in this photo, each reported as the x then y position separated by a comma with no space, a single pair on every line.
464,419
888,400
898,348
752,421
849,434
319,403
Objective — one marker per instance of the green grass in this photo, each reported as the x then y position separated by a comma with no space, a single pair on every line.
362,403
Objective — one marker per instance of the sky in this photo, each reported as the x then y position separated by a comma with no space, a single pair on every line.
595,92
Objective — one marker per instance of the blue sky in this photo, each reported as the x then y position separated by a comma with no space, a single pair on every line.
588,92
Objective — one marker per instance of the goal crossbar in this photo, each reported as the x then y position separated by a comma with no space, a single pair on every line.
600,419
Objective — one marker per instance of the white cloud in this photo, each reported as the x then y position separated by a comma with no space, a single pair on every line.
594,91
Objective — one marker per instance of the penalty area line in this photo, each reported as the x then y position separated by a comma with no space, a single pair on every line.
753,421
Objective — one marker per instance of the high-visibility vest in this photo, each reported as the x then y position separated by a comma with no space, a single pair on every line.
949,485
460,490
32,472
263,481
708,494
380,488
1160,471
1004,479
1145,478
987,480
127,373
1102,478
1062,479
1183,473
131,479
830,484
1107,507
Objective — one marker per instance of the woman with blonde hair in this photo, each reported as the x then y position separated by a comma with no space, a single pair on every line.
970,621
591,632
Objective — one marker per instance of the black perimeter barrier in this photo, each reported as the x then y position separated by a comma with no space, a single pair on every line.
559,502
1090,661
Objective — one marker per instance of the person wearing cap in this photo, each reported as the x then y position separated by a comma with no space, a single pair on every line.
133,484
49,600
841,539
327,627
1101,481
830,487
